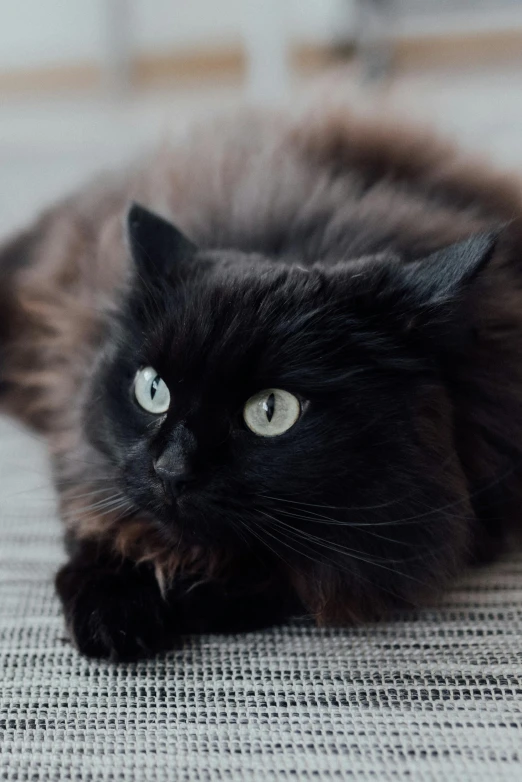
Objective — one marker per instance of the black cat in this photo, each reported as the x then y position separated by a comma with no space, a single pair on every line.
305,398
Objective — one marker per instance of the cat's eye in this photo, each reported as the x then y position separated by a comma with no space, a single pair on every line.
151,391
271,412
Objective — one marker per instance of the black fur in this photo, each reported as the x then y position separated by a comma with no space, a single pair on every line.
354,496
114,608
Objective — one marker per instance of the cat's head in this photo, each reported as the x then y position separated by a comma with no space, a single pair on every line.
302,412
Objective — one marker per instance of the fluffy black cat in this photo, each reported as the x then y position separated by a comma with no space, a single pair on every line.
297,391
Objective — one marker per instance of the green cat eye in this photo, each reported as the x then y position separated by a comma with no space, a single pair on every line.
271,412
151,391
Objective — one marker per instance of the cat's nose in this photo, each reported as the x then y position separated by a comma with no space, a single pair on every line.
174,477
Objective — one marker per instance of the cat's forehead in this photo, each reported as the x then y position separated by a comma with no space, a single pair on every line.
248,303
235,331
223,323
252,289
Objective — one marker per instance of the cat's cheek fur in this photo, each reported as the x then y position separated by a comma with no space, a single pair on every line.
434,536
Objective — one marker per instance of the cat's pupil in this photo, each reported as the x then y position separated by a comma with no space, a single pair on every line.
269,407
154,386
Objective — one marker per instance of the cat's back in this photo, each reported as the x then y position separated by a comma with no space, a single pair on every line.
319,186
326,185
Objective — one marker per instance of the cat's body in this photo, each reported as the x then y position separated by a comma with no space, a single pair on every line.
406,460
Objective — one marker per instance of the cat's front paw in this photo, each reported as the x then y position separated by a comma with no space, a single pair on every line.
116,614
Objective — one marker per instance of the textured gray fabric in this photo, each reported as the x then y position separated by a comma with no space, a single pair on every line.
434,695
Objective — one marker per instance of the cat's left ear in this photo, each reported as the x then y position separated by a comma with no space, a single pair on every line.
444,276
156,245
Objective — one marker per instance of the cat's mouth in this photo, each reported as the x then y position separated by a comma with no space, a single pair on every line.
171,508
175,500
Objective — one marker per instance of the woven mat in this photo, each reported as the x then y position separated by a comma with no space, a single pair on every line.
434,695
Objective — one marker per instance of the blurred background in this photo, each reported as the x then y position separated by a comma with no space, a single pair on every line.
85,84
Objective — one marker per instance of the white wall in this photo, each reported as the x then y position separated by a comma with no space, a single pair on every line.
35,32
164,22
49,32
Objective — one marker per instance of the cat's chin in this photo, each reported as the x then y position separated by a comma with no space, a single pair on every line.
196,528
173,519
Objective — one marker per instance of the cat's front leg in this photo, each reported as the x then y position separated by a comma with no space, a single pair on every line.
115,609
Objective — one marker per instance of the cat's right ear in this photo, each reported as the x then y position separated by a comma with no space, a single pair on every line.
156,245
